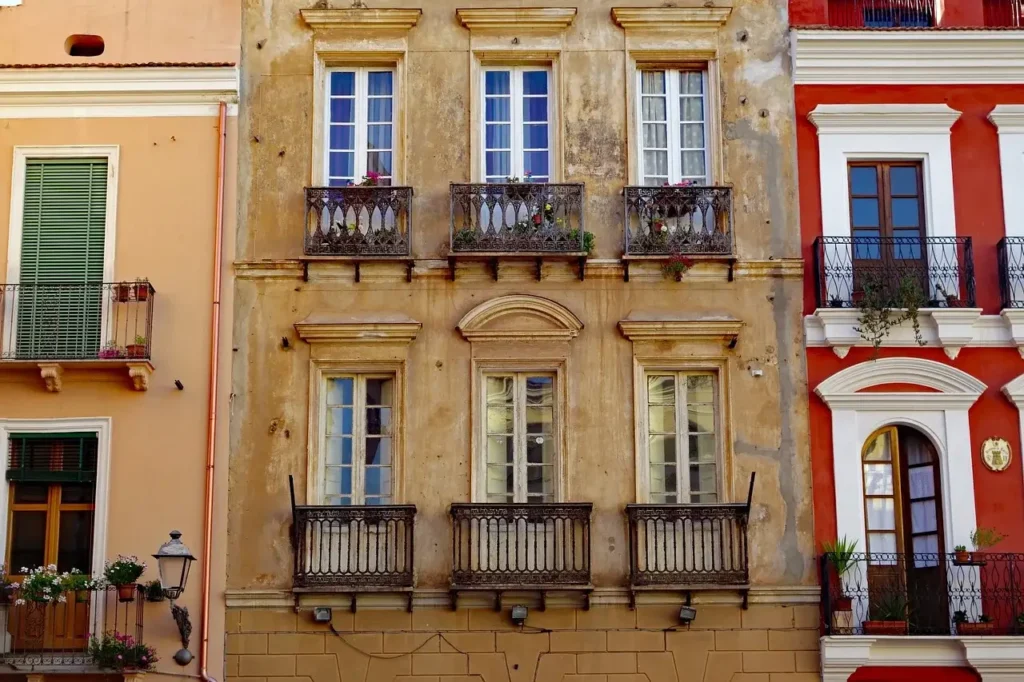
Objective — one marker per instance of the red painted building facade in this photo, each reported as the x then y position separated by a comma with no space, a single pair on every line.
910,135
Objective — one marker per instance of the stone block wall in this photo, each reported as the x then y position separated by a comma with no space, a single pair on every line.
766,643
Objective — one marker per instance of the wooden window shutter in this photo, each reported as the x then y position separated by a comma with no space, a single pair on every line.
63,232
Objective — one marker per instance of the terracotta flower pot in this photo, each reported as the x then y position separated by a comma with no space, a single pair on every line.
963,557
122,293
968,629
843,604
135,350
126,593
885,627
141,292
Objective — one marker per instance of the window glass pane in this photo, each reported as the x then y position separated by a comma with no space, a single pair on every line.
700,388
343,137
655,136
499,136
903,180
499,481
691,83
923,518
535,109
702,448
378,391
693,136
878,479
926,544
661,449
343,110
378,481
905,213
378,451
864,212
499,164
534,137
535,82
498,82
28,539
539,390
499,420
340,391
864,180
656,163
379,83
879,450
693,164
342,164
654,109
661,418
539,480
378,137
498,109
77,493
339,421
652,82
536,164
339,451
540,449
661,389
540,419
703,478
866,244
881,513
31,493
922,482
500,449
378,421
907,244
343,83
379,162
692,109
379,110
881,542
74,544
338,481
499,390
657,479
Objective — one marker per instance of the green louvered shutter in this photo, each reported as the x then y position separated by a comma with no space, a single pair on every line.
59,308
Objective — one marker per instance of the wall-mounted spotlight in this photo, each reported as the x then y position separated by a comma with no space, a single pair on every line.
322,614
519,614
687,614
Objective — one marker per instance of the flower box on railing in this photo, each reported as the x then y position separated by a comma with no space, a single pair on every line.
673,220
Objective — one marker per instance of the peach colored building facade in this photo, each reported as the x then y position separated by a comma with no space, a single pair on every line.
517,308
111,174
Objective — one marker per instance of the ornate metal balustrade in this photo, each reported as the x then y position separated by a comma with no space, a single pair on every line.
77,321
517,218
924,594
1011,271
1004,13
358,221
521,546
934,272
669,221
55,636
689,546
881,13
353,549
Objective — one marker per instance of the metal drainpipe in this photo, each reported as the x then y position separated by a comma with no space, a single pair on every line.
211,436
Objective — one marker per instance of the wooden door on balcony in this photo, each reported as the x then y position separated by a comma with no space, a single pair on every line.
903,517
888,230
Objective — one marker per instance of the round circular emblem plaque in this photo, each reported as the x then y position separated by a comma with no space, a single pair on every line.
996,454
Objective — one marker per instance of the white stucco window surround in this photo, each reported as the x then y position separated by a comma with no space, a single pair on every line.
939,412
999,659
1009,120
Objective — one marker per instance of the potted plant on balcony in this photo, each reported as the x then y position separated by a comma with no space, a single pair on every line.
7,587
984,625
141,290
111,351
121,653
138,349
961,556
677,266
840,556
123,573
80,584
588,239
42,585
888,616
154,591
883,309
982,539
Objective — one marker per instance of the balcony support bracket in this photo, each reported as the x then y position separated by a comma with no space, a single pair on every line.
357,272
53,376
451,268
583,267
625,270
453,597
732,265
408,270
540,266
139,373
408,602
497,601
745,594
494,268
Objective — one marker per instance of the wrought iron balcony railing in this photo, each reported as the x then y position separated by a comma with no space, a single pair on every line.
353,549
517,218
923,594
689,546
77,321
674,220
55,636
1004,13
881,13
358,221
1011,271
934,272
520,546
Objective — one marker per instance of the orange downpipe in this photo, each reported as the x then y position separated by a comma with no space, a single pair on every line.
211,436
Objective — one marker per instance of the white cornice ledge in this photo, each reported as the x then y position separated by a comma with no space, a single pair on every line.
671,18
361,19
875,119
1008,118
535,19
908,57
350,329
649,327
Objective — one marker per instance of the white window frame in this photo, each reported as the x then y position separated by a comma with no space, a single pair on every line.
516,166
682,433
674,123
520,466
362,111
358,494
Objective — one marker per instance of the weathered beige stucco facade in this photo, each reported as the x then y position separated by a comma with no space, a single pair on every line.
149,108
296,318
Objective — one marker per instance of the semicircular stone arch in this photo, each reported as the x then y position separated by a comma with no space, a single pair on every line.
520,317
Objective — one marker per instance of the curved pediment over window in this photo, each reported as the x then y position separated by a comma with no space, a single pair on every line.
939,383
518,317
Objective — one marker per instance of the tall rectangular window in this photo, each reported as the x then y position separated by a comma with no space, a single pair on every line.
359,440
682,437
62,245
672,116
52,501
360,125
517,124
520,437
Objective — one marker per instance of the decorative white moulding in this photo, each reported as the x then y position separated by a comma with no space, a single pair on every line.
955,328
1015,321
839,326
139,373
53,375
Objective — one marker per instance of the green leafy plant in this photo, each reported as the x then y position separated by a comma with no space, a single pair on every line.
465,237
960,548
840,553
140,340
154,591
76,581
124,570
42,585
891,607
959,617
883,309
677,265
588,240
983,538
121,652
984,618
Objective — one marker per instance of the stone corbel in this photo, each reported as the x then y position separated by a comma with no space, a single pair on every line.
995,658
53,375
139,373
839,325
841,656
955,328
1015,321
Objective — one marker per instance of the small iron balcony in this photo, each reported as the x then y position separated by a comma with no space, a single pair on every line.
358,221
678,221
